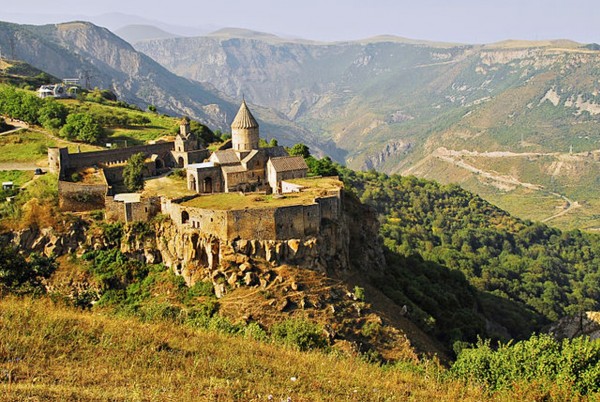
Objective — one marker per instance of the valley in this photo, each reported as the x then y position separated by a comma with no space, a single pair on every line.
499,188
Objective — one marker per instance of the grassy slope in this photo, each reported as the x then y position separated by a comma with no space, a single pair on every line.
32,146
54,353
573,176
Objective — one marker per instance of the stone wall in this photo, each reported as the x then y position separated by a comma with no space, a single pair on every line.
330,207
291,222
333,243
79,197
86,159
146,209
202,220
250,223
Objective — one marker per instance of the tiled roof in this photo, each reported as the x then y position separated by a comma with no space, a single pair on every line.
225,157
288,163
251,155
244,118
274,152
233,169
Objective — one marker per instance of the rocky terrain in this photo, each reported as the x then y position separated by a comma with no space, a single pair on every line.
262,280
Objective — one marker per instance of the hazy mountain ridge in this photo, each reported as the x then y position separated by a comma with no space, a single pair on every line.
363,94
102,59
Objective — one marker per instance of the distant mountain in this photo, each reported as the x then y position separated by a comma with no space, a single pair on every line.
139,33
390,103
101,59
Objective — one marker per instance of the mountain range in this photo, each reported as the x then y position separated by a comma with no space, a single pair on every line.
102,59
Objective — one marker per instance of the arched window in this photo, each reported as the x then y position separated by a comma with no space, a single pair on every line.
185,217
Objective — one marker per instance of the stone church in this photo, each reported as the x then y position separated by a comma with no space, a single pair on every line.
245,166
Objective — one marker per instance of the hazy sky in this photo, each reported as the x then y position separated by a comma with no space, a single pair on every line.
468,21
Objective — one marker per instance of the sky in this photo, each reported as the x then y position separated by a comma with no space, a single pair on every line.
461,21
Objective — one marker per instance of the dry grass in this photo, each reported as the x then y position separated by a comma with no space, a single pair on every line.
54,353
168,186
230,201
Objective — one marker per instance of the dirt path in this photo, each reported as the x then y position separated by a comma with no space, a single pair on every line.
18,166
570,206
19,125
455,158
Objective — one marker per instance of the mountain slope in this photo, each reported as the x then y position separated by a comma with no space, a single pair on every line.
101,59
138,33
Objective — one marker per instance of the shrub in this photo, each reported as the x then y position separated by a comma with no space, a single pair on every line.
200,289
300,334
254,331
359,293
21,276
541,358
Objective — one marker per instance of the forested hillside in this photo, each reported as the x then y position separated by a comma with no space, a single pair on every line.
467,268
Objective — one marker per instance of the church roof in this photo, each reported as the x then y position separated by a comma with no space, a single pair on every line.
244,118
288,163
225,157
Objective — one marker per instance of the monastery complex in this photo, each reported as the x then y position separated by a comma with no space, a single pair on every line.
242,192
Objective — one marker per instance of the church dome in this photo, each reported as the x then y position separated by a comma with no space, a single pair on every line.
244,119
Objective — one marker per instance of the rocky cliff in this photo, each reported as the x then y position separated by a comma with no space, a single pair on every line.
341,245
261,281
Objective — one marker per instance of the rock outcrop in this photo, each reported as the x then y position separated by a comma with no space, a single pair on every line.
340,245
584,324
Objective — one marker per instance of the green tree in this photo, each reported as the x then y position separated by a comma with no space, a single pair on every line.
133,173
83,127
52,115
299,150
321,167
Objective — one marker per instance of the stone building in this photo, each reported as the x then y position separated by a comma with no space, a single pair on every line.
246,166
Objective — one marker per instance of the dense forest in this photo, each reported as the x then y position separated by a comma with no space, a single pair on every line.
468,268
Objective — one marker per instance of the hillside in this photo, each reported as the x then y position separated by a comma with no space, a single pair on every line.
101,59
51,352
389,103
18,73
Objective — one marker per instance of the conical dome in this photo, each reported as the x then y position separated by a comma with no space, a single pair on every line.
244,119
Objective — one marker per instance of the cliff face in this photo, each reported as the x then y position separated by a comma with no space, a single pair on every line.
349,242
341,245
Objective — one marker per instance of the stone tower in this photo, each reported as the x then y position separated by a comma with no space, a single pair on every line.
244,130
184,127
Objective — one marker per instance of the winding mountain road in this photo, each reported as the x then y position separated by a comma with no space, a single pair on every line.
455,158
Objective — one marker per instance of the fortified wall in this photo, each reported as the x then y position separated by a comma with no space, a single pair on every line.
79,197
321,236
60,160
270,223
313,235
